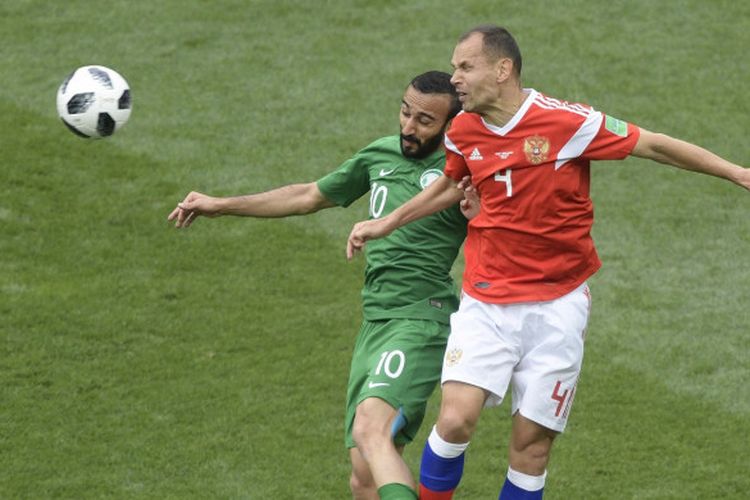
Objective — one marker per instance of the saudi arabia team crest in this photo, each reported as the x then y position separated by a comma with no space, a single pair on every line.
536,148
429,176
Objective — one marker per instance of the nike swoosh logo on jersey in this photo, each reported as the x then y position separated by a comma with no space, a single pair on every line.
377,384
384,172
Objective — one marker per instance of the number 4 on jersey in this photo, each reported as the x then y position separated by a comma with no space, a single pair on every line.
504,176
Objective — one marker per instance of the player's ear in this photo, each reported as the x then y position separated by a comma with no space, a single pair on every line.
504,69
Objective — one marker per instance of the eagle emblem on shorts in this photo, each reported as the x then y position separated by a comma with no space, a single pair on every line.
453,356
536,148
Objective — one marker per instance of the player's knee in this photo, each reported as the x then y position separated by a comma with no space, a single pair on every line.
455,426
367,430
359,434
370,425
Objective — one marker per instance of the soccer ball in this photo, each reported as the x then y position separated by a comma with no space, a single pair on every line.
94,102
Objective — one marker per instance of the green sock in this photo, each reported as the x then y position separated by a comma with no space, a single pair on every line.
396,491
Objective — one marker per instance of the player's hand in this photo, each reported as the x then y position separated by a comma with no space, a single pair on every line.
470,204
363,231
191,207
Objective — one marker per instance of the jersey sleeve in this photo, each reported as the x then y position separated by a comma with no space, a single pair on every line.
455,164
614,140
347,183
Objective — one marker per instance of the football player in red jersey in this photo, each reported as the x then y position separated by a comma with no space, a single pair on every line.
525,305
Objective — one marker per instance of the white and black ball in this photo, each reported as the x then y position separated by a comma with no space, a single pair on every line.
94,102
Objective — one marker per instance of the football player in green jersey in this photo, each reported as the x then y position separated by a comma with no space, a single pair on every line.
408,293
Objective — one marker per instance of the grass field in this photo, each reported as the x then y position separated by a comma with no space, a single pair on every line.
137,361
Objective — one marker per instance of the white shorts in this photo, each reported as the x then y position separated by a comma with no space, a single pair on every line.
536,347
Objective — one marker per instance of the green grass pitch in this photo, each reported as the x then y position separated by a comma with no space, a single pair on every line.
137,361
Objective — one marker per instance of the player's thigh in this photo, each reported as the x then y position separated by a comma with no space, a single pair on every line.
398,361
358,372
544,382
374,417
481,350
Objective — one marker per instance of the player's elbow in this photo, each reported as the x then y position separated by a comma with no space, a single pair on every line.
653,146
309,200
310,206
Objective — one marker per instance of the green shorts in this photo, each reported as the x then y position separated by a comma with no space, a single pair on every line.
398,361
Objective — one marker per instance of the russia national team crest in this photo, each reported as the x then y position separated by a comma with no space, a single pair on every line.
453,356
536,148
429,176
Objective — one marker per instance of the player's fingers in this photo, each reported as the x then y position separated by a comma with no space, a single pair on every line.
186,205
349,249
354,244
173,213
181,216
188,197
191,216
356,248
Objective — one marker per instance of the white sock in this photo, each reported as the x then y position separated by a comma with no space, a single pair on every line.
443,448
525,481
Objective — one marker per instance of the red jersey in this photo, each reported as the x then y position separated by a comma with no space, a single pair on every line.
532,239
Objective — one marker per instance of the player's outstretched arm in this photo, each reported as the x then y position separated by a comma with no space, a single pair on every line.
665,149
294,199
440,195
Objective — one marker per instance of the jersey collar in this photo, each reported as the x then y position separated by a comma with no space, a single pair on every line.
516,118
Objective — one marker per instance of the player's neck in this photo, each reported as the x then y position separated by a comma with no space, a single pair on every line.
506,106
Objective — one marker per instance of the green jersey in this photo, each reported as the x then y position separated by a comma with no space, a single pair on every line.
408,272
